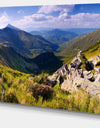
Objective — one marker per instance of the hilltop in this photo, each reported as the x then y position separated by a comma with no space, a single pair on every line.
82,44
56,36
24,43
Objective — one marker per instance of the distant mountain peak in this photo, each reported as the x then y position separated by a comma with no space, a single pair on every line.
12,27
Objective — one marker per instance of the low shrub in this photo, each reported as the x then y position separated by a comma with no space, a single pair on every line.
41,90
10,98
85,64
40,78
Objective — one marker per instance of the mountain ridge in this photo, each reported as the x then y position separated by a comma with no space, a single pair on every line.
82,44
25,43
10,58
56,36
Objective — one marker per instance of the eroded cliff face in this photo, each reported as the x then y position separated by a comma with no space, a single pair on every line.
79,75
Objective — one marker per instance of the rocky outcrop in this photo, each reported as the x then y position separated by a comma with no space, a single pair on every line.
76,62
60,74
72,78
96,61
88,75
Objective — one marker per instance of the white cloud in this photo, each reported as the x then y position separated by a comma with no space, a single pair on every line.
44,18
34,20
20,11
85,19
4,20
62,21
54,8
62,16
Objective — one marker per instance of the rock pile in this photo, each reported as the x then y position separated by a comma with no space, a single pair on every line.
72,78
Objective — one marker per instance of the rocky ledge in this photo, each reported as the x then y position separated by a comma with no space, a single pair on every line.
73,78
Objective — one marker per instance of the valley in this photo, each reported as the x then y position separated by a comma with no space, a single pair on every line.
51,68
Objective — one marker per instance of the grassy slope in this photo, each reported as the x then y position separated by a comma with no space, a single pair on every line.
92,51
45,62
19,88
10,58
48,62
25,43
67,44
82,44
56,36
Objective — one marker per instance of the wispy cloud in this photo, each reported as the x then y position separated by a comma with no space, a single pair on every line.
54,8
4,20
77,20
44,17
20,11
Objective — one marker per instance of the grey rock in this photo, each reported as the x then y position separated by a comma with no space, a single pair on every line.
76,62
73,79
96,61
98,78
87,74
63,71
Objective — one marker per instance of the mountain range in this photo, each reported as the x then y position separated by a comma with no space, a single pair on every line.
25,52
10,58
56,36
24,43
81,30
80,44
27,79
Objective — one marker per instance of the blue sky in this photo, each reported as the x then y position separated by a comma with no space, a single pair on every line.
51,16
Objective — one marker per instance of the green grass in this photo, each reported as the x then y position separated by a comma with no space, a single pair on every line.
28,89
82,44
92,51
10,58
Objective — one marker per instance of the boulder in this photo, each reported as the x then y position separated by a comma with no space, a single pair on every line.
96,61
50,81
67,85
88,75
76,62
74,72
79,53
98,79
91,62
73,78
97,70
63,71
60,74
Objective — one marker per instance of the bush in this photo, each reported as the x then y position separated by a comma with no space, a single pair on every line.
41,78
41,90
85,64
10,98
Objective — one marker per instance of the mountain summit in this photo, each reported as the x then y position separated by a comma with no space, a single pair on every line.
24,43
12,27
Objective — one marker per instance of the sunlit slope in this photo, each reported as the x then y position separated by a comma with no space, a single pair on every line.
24,43
92,51
82,44
10,58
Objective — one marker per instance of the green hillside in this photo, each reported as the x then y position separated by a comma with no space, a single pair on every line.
92,51
10,58
25,43
48,62
45,62
56,36
26,89
67,44
82,44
